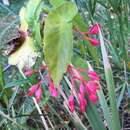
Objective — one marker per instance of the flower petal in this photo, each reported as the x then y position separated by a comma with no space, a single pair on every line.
94,29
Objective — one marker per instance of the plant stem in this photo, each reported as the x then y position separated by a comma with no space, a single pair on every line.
40,112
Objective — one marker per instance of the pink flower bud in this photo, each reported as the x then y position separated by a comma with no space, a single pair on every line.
94,29
83,105
38,94
74,72
81,89
92,87
29,73
53,90
82,102
94,41
71,103
93,98
32,90
54,93
93,75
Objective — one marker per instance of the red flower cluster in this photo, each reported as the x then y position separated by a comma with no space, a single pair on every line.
37,89
93,30
86,87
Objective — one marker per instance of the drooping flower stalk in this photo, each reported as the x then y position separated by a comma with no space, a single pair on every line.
89,87
36,90
86,87
93,30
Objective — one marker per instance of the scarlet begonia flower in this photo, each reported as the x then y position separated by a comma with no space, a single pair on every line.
93,75
81,88
83,105
29,73
37,90
94,29
32,90
93,41
92,87
82,102
74,72
38,94
53,90
93,98
71,103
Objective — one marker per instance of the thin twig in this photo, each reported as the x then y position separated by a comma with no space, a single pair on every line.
40,112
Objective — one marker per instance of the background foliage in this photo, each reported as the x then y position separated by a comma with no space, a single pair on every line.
17,110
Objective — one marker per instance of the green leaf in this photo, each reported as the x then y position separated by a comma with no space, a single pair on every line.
105,108
64,13
56,3
78,62
58,49
58,39
31,9
110,86
1,77
2,83
120,98
115,57
94,117
79,23
16,83
22,14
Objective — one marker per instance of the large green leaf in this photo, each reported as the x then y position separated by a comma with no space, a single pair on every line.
56,3
58,39
64,13
58,49
110,85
